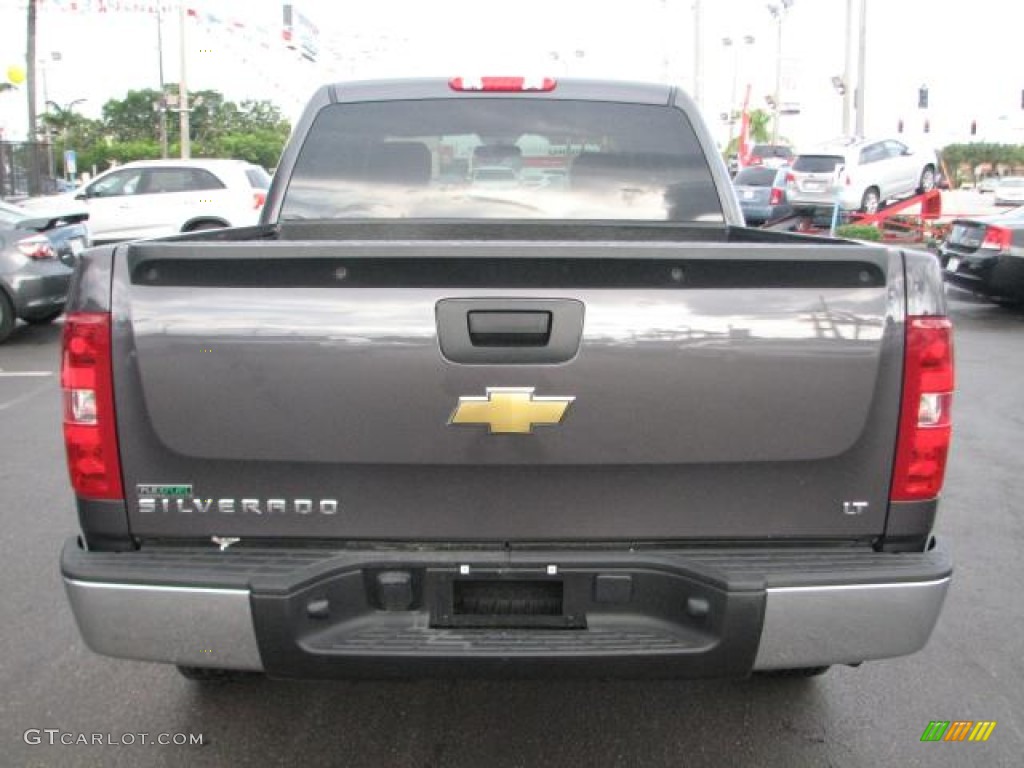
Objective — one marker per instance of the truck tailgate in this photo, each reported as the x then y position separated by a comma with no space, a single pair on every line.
307,389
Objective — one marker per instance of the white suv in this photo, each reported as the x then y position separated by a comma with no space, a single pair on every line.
152,198
860,173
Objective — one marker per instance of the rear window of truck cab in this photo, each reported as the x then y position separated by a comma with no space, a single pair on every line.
504,159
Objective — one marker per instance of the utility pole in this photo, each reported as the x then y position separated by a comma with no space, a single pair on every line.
779,13
163,95
186,149
30,86
698,55
862,65
848,70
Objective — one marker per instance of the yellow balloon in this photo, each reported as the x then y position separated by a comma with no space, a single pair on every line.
16,74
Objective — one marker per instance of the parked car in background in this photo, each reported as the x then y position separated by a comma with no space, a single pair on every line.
495,177
860,173
988,184
985,255
768,156
1010,191
153,198
38,253
762,194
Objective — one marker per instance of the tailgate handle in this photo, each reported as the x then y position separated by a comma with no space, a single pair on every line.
509,331
517,328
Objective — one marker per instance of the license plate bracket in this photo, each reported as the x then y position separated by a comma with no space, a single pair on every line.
527,600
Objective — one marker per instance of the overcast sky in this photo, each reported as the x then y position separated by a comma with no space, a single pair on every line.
967,54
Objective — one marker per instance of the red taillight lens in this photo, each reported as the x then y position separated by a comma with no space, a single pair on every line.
500,84
925,424
258,199
776,197
790,179
36,247
90,433
997,237
755,160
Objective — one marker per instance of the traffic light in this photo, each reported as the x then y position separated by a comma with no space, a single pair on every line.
922,97
974,127
899,126
927,126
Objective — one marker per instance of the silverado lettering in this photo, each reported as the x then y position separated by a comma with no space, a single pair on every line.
244,506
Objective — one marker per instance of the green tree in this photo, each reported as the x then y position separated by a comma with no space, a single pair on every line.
253,130
133,118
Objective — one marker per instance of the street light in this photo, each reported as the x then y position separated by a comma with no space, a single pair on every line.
778,13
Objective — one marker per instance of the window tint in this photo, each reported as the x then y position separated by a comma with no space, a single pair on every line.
203,179
755,177
895,148
116,184
167,180
258,178
420,159
817,163
772,150
872,153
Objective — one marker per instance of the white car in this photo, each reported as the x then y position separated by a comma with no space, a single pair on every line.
153,198
1010,191
860,173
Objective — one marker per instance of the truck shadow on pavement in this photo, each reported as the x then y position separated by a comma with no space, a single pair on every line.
518,722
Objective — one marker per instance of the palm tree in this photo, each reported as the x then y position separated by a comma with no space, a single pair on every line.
759,122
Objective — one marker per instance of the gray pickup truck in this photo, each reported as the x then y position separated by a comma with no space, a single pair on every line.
579,422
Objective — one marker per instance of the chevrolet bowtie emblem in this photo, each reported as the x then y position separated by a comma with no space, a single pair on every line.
511,410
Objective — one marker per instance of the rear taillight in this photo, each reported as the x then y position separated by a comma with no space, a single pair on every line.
258,199
90,433
925,425
755,160
502,84
997,238
790,180
36,247
776,197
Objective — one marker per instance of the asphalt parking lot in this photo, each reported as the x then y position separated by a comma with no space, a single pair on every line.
869,716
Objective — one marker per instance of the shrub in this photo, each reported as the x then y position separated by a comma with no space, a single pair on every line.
859,232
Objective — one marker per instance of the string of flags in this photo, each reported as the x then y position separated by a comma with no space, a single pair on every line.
257,33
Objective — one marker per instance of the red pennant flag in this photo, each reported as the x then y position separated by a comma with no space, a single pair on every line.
745,146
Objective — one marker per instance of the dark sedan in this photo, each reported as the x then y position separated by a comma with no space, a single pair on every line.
38,253
985,255
762,194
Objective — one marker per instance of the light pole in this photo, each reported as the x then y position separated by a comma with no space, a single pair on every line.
186,148
778,13
161,105
862,66
847,92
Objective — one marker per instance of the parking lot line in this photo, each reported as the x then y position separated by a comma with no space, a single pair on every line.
23,374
